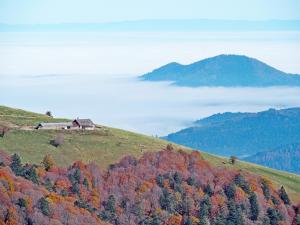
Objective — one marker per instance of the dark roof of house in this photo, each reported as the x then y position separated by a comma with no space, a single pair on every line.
84,122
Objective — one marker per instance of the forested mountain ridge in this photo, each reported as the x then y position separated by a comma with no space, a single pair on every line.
285,158
167,187
223,70
241,134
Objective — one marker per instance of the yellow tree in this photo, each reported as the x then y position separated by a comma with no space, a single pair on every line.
48,162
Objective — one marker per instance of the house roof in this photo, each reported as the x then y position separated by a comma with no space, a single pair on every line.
84,122
64,124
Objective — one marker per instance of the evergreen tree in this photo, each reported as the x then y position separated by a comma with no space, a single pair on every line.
85,183
186,204
44,206
111,205
156,220
48,184
234,215
30,174
242,183
220,219
205,209
190,181
274,216
77,175
266,189
166,201
297,219
208,190
275,200
75,188
230,191
177,178
284,196
160,180
254,207
22,203
188,221
16,165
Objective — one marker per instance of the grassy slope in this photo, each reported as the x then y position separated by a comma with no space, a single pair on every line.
105,146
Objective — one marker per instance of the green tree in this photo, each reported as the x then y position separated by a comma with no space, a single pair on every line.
85,183
208,190
30,174
44,206
188,221
240,181
234,215
16,165
230,191
160,180
205,209
191,181
22,203
48,184
75,188
284,196
266,189
275,200
254,207
166,201
155,220
220,219
297,219
111,205
177,178
274,216
77,175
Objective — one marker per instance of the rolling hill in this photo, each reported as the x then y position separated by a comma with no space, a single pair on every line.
223,70
285,158
106,146
241,134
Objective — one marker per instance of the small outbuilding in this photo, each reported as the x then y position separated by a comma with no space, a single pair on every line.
85,124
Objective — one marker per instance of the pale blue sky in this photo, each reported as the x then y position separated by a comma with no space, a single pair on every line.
93,11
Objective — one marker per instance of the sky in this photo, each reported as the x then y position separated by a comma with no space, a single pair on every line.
98,11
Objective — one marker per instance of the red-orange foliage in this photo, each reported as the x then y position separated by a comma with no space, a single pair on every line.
130,192
174,220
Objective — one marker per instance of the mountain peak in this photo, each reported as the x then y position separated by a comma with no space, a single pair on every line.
223,70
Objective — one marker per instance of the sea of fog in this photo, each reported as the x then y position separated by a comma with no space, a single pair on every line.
145,107
78,75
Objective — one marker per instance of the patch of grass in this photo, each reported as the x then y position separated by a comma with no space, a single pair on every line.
21,117
106,146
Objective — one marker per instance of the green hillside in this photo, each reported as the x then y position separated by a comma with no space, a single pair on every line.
104,146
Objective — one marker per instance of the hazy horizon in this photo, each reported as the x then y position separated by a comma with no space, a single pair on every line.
93,73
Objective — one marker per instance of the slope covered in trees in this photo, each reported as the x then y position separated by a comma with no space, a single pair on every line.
285,157
242,134
167,187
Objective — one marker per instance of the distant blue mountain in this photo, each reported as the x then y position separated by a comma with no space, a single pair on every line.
163,25
242,134
285,157
223,70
